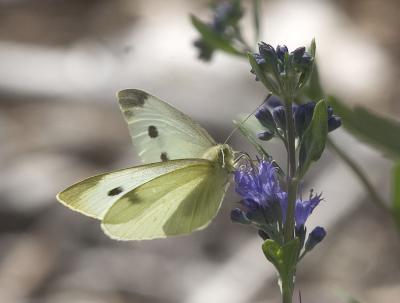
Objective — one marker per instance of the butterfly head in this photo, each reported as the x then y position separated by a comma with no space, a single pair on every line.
221,154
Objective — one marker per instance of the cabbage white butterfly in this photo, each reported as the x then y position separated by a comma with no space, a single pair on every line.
178,191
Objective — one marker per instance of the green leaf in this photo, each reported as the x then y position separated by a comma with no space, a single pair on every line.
313,89
313,48
268,83
380,132
214,38
396,192
314,138
284,258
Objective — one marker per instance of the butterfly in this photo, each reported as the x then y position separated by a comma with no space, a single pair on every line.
178,190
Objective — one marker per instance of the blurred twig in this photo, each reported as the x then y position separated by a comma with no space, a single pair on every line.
375,198
256,18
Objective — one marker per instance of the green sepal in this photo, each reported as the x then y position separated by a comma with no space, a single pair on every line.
268,82
380,132
308,69
313,89
284,257
214,39
396,192
313,141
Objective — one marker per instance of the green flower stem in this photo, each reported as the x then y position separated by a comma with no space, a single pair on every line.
291,181
287,289
287,282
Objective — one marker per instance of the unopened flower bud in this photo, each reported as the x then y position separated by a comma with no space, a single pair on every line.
306,58
279,116
315,237
264,116
259,59
265,136
281,50
298,54
303,116
267,51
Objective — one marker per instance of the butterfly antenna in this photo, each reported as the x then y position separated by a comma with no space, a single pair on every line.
244,121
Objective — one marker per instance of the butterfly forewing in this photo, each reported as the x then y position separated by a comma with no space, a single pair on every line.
176,203
159,131
95,195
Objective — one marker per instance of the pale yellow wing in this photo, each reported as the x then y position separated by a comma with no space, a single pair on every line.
159,131
95,195
176,203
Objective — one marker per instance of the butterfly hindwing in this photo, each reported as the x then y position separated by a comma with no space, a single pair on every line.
159,131
95,195
175,203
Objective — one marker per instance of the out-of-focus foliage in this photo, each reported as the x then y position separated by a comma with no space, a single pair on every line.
223,32
212,39
396,192
380,132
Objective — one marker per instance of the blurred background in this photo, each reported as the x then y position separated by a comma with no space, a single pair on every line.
61,63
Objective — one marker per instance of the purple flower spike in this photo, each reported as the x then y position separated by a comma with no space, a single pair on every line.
264,202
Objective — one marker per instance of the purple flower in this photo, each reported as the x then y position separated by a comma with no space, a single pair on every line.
261,193
304,209
258,185
263,199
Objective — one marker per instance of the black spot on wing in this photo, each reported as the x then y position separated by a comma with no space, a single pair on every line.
115,191
164,156
152,131
132,98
